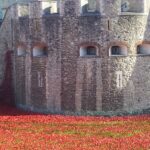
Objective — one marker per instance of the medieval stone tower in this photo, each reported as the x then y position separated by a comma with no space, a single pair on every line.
78,55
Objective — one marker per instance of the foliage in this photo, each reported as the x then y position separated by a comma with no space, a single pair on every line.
25,130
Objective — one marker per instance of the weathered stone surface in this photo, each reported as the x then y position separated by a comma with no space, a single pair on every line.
64,81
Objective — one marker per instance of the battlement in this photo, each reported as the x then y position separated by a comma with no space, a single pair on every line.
45,8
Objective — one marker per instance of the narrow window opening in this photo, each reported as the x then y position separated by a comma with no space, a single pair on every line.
40,79
91,50
39,51
21,51
108,25
143,49
88,51
118,51
119,80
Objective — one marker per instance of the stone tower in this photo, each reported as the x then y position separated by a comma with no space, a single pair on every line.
80,55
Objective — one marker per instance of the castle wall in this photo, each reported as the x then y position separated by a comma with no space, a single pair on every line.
130,66
5,41
65,81
20,81
38,83
43,74
6,64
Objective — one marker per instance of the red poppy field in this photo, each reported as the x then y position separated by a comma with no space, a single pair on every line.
26,131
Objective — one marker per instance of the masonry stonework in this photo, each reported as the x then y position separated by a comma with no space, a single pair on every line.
62,80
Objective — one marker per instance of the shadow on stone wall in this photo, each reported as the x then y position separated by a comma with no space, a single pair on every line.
6,88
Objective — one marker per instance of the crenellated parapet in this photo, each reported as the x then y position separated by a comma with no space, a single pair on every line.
45,8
